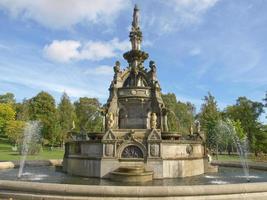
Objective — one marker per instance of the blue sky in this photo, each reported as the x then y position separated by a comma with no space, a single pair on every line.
71,45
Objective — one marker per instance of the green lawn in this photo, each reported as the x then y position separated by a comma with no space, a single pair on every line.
227,157
6,153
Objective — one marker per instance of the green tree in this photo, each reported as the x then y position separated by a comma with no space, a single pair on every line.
66,116
42,107
22,110
14,131
209,117
239,129
7,98
261,139
180,115
247,112
88,114
170,103
7,113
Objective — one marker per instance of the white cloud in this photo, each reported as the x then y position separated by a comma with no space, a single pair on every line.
62,51
176,14
191,10
58,14
67,50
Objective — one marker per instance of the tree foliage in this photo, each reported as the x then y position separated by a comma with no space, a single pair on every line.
209,117
180,115
88,115
8,98
247,112
7,113
66,116
42,107
14,131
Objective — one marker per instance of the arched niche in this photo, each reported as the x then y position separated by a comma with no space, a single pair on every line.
132,150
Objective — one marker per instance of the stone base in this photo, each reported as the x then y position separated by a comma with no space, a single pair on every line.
208,167
162,168
131,174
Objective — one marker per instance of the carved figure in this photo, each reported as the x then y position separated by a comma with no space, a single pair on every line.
110,120
197,124
117,67
153,122
135,23
152,66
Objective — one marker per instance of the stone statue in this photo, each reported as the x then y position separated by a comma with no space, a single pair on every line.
152,66
117,67
153,122
197,124
135,22
110,120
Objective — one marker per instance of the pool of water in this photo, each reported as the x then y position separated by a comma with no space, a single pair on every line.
46,174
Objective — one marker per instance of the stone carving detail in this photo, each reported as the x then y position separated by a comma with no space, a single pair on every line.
132,151
153,122
109,149
109,135
152,66
189,149
116,68
154,135
154,150
110,120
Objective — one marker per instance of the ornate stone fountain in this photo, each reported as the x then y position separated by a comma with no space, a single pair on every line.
136,128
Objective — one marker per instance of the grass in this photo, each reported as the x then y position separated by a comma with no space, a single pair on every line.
6,153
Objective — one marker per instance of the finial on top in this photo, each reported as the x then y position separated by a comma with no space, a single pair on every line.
135,22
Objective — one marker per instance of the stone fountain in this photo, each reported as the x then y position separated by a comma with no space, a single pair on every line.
136,142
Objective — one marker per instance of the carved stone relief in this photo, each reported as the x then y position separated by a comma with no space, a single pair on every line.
189,149
154,150
109,149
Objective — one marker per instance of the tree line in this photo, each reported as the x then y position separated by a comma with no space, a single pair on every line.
56,119
84,115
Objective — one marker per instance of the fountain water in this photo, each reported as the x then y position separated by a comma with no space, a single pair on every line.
31,135
241,144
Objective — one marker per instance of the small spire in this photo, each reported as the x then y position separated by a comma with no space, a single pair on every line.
135,22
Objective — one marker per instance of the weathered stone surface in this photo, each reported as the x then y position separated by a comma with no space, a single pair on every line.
28,190
136,129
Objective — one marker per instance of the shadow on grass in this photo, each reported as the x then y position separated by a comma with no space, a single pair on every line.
14,154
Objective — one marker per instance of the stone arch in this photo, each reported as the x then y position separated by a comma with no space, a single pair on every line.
136,146
140,80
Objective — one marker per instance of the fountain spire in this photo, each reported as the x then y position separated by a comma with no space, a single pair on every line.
135,22
136,34
135,56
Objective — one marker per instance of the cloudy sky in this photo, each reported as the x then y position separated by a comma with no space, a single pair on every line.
71,45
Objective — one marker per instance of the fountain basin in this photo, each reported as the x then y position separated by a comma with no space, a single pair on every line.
46,183
131,174
26,190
